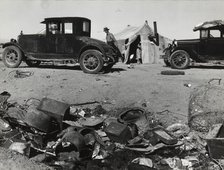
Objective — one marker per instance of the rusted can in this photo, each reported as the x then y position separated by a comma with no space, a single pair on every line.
54,108
118,132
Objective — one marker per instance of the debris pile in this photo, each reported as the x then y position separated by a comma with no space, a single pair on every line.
66,136
206,106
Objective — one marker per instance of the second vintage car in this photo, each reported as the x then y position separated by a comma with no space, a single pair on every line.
65,39
209,48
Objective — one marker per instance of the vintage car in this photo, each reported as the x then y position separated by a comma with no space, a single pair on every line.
65,39
209,48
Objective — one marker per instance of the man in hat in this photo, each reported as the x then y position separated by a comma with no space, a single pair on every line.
110,38
112,41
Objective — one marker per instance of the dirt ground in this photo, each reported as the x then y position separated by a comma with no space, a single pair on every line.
122,87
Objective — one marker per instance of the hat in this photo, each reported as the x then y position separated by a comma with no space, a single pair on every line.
105,29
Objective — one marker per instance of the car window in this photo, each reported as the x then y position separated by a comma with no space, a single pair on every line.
204,33
55,28
68,28
85,26
215,34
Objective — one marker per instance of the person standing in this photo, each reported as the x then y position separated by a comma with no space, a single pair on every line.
139,53
111,40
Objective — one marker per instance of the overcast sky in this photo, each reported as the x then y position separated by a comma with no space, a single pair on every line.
175,18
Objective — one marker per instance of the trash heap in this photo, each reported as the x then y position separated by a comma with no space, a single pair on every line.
66,136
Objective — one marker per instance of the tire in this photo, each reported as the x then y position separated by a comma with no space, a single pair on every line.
33,63
12,56
167,63
172,72
91,61
180,59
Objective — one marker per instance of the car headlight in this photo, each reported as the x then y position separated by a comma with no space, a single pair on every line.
175,42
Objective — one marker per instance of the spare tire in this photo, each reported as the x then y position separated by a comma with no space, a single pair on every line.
172,72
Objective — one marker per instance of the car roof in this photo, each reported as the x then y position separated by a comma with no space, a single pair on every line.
63,19
210,25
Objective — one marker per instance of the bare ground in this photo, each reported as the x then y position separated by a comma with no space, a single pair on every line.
122,87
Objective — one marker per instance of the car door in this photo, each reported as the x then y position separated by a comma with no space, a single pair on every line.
215,45
54,39
63,42
210,47
68,43
202,46
64,45
51,43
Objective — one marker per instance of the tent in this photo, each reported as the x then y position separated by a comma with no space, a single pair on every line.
129,38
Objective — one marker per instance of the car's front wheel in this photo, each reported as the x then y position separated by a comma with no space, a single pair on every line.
91,61
180,59
33,63
12,56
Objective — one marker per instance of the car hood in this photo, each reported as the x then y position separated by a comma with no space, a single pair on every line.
96,42
188,41
89,40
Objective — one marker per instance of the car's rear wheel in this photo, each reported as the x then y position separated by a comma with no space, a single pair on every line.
33,63
91,61
12,56
180,59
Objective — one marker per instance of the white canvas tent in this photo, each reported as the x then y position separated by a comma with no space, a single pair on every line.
150,52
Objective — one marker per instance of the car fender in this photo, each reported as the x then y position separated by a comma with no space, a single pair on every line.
12,43
189,51
92,47
192,53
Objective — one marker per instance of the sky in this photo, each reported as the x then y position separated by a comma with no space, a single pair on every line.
175,18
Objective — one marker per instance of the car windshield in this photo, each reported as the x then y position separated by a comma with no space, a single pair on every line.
43,31
204,33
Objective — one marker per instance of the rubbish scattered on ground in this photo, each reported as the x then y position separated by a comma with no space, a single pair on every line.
215,141
91,121
165,137
118,132
218,79
20,147
55,109
141,161
73,136
20,74
187,85
4,96
131,66
214,131
206,107
178,130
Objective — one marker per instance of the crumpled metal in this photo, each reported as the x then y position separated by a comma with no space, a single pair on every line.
4,96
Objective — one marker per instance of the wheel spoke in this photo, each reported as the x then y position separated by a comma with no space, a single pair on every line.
12,56
91,62
179,59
